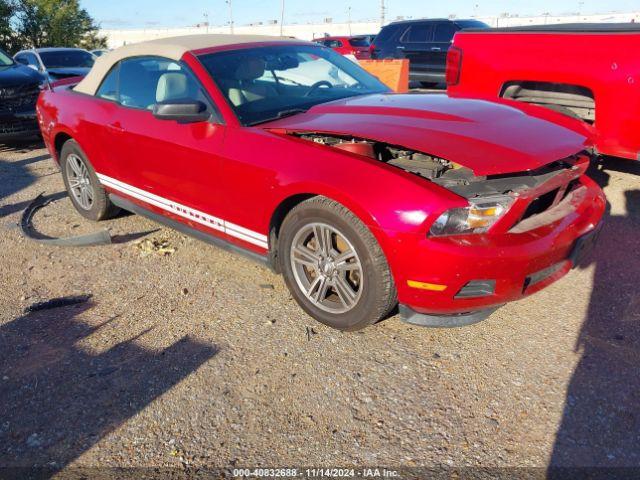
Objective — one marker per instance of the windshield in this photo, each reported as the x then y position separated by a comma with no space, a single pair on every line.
267,83
67,59
5,60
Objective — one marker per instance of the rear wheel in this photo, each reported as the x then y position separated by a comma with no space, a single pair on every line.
334,266
82,184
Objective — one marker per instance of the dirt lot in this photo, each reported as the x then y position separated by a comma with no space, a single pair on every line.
196,357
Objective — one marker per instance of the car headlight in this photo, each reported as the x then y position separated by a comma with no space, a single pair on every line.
478,217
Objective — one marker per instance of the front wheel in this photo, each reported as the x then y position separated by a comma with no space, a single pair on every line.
334,267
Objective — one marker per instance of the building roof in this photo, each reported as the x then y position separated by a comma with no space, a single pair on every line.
172,48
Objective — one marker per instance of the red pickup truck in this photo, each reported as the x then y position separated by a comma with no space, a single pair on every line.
589,71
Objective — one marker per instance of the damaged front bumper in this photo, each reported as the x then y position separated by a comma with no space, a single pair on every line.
476,274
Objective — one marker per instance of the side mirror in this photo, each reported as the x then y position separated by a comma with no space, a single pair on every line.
182,111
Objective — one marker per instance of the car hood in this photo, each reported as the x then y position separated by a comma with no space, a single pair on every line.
488,137
58,73
15,75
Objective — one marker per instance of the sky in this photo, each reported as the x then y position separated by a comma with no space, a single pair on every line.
170,13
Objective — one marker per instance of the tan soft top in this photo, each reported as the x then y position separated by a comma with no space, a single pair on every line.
173,48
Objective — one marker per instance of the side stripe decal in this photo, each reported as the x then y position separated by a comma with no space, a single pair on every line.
202,218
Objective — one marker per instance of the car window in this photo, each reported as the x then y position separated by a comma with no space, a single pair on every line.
471,24
109,88
444,32
265,83
418,34
145,81
30,58
67,59
333,43
5,59
359,42
387,33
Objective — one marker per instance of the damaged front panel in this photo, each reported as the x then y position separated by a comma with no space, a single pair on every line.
543,188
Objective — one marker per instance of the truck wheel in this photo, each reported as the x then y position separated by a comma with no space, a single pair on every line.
334,267
82,184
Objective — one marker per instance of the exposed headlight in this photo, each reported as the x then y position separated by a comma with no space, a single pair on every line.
478,217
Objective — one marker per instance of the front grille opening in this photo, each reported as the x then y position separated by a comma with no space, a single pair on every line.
17,126
477,289
541,204
542,275
18,99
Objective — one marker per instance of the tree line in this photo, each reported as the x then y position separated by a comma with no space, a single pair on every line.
47,23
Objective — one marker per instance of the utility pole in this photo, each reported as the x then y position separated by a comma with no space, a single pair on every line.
282,18
230,16
206,20
382,13
349,12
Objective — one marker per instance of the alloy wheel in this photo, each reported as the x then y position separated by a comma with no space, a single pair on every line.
80,182
327,268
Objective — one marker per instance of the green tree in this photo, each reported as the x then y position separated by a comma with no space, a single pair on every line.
55,23
7,35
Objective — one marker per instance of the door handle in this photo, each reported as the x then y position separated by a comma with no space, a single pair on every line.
436,49
400,47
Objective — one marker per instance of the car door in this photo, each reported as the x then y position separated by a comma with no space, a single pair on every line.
172,166
415,45
442,38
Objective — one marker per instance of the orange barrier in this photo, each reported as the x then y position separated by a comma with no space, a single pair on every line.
393,73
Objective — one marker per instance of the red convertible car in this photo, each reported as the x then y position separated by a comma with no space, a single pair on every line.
294,155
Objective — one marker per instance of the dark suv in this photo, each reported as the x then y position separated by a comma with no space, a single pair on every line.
19,90
424,42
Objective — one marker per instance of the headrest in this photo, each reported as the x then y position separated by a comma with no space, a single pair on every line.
172,86
250,69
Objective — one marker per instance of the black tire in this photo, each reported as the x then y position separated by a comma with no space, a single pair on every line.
429,84
377,295
101,207
561,109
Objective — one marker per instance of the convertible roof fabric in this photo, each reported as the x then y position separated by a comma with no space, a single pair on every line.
172,48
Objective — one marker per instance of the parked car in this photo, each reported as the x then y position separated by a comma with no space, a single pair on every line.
359,197
358,46
587,71
57,63
99,52
19,90
424,42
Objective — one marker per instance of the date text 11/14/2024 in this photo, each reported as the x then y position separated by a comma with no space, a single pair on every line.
314,473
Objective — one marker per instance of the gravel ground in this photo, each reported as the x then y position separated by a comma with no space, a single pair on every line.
189,356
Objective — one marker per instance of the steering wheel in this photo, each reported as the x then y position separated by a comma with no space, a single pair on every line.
316,86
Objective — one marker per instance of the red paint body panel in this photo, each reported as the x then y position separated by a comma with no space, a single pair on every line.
361,53
240,175
487,137
606,63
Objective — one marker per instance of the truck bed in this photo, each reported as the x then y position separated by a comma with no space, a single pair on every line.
565,28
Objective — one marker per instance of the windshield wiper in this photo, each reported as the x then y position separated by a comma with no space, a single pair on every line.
282,114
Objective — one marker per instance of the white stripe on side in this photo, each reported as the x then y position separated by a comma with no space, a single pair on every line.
202,218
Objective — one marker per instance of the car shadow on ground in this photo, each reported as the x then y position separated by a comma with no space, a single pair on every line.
14,176
60,396
600,426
